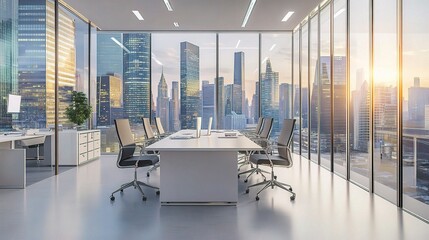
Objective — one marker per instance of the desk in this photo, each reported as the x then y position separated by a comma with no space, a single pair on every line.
12,161
200,170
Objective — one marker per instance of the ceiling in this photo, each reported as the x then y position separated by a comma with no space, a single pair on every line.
202,15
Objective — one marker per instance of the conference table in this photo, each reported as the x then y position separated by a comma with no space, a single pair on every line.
199,171
12,160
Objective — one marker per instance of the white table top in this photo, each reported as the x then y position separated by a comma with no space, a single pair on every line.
15,137
215,142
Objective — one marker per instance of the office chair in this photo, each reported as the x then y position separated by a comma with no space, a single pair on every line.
34,143
282,158
127,159
160,128
244,158
262,140
150,138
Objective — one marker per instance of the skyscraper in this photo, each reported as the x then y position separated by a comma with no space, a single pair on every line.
109,54
109,99
136,81
270,95
174,107
418,98
285,101
255,105
162,102
208,100
238,95
36,63
190,104
221,104
8,57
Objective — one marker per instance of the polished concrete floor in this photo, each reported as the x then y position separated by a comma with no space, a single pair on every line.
76,205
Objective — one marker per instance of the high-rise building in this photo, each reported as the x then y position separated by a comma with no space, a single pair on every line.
36,63
162,102
285,101
109,54
8,57
208,100
174,107
255,104
270,95
136,55
418,98
190,103
109,99
238,95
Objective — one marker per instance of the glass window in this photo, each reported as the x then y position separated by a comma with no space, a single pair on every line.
238,73
183,79
304,91
415,92
324,81
276,78
296,90
360,88
385,99
340,86
314,87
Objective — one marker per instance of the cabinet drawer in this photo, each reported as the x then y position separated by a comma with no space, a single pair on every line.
96,153
90,136
96,144
90,146
83,138
82,158
97,135
83,148
90,155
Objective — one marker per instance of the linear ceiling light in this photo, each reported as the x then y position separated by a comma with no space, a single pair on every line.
287,16
168,5
272,47
138,15
120,44
176,24
249,11
238,44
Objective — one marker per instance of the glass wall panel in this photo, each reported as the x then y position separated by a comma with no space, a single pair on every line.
385,99
123,83
340,86
183,79
314,89
304,91
93,75
296,91
238,74
324,80
415,93
359,92
276,78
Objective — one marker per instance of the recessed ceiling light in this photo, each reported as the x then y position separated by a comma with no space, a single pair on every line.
287,16
176,24
272,47
339,12
138,15
238,43
249,11
168,5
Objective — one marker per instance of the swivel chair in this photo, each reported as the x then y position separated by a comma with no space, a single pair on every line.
282,158
150,138
127,159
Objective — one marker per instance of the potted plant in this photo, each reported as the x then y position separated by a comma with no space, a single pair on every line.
79,110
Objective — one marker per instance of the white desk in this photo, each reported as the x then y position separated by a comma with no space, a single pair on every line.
200,170
12,161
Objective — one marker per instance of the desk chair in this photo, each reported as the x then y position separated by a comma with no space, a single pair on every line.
160,128
150,137
244,158
282,158
262,140
34,143
127,159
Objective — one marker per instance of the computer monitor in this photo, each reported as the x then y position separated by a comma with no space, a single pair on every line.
13,103
209,127
198,134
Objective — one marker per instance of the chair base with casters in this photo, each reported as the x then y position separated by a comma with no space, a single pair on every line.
154,167
136,184
252,171
272,182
